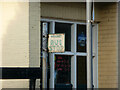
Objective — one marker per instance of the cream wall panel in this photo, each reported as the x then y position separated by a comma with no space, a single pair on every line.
108,85
16,84
69,10
14,38
107,46
34,36
34,31
64,10
101,53
119,45
15,34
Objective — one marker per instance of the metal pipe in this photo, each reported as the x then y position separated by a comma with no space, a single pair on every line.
45,54
89,43
51,58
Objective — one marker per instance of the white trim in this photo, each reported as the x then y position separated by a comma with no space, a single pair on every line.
95,54
74,71
73,37
65,53
62,21
81,54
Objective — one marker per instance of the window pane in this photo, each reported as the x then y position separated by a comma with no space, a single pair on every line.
62,69
81,38
66,29
82,72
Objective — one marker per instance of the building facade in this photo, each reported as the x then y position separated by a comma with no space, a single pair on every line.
22,25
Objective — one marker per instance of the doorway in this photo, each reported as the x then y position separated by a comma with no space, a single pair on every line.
69,67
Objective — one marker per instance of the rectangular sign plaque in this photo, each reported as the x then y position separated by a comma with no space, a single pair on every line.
56,43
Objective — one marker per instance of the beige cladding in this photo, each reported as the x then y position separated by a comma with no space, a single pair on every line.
15,34
15,39
20,39
108,36
118,44
106,13
34,36
19,47
63,10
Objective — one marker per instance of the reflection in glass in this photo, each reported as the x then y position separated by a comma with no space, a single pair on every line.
66,29
82,72
81,38
62,69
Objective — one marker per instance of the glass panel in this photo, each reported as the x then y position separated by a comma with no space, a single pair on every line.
81,72
81,38
66,29
62,69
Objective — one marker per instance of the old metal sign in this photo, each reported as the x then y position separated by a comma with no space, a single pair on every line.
56,43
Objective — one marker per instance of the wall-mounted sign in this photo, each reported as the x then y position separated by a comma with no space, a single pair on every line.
56,43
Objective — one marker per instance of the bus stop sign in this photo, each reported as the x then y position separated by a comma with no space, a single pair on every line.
56,43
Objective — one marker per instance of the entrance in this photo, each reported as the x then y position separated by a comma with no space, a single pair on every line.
68,68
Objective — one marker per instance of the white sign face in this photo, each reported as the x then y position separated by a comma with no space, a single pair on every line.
56,43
